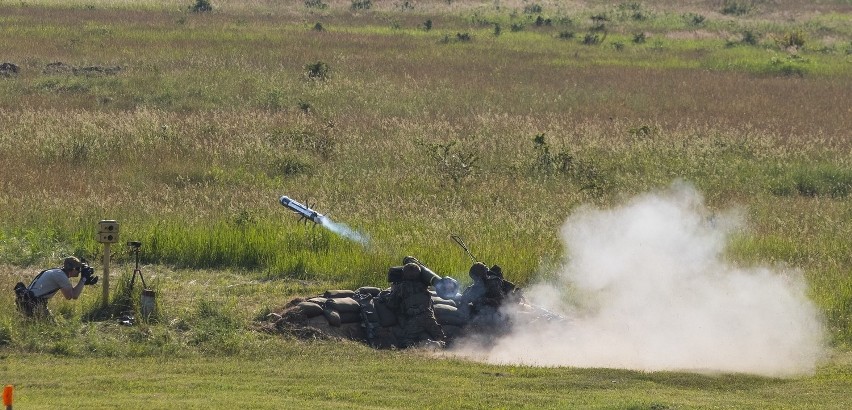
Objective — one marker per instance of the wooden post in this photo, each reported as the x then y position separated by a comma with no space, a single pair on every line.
107,234
105,278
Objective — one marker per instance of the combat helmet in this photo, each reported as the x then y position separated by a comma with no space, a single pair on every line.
411,271
478,271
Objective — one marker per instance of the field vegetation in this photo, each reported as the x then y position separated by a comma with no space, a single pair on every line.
408,121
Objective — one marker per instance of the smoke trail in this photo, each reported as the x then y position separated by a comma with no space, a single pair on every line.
649,288
344,230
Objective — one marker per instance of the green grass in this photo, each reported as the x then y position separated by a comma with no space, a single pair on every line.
330,374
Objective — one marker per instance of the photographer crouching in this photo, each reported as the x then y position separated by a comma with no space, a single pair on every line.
32,300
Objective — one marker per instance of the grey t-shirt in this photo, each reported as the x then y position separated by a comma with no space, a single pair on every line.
50,282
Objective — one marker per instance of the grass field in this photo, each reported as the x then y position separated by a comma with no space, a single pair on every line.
408,122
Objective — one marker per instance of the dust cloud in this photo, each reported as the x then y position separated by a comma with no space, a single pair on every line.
646,286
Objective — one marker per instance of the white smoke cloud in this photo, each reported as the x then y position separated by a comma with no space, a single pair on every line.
648,287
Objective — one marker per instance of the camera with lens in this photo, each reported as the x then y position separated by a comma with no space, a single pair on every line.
86,273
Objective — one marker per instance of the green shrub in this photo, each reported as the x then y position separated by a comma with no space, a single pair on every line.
546,162
815,181
201,6
749,38
793,39
566,35
534,8
541,21
451,161
694,20
592,39
273,100
291,165
736,7
633,11
584,173
315,4
361,4
5,333
599,18
639,38
317,71
791,66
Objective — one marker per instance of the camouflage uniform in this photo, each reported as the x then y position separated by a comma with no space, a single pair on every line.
411,300
510,292
473,296
482,300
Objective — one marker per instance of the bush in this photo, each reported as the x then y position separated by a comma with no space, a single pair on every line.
750,38
736,7
291,165
632,10
201,6
566,35
532,9
584,173
541,21
793,39
547,162
319,27
315,4
639,38
317,71
592,39
5,334
694,20
790,66
451,162
815,181
361,4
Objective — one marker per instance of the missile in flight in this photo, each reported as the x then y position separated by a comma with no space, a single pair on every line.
305,213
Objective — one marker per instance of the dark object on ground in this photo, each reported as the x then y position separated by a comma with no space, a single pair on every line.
9,69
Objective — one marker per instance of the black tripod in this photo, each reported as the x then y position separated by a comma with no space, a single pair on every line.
135,247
